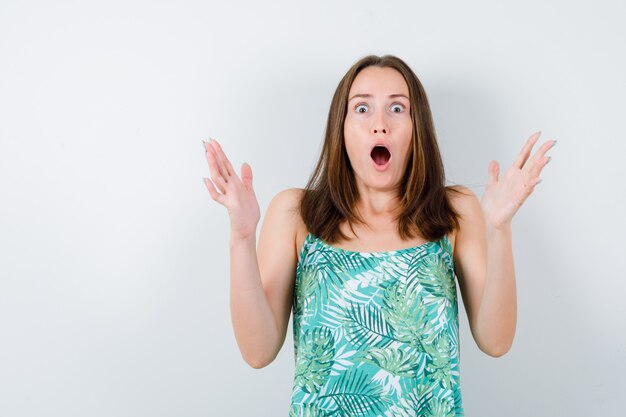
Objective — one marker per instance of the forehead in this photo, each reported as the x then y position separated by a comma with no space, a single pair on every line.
379,81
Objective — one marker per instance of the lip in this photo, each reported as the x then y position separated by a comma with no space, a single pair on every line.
378,143
383,143
381,168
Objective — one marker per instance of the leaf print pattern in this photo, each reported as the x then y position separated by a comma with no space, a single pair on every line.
306,410
367,326
432,273
407,316
315,359
352,394
395,361
375,333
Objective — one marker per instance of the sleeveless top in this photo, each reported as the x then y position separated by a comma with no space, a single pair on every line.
375,333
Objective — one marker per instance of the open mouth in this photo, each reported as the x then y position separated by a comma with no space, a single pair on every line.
380,155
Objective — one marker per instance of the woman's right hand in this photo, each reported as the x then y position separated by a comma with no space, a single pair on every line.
236,195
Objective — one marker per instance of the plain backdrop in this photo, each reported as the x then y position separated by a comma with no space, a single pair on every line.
114,260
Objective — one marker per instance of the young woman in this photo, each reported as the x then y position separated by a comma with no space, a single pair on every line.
366,256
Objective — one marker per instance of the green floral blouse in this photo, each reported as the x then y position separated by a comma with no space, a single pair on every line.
376,333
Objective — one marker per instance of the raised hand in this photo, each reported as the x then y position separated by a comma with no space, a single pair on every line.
503,197
231,192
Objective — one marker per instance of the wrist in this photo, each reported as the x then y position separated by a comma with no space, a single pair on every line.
236,238
502,229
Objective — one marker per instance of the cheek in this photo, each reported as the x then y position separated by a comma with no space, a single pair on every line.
404,124
349,127
405,130
351,148
353,144
351,136
355,123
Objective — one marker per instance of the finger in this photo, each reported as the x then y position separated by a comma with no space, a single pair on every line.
531,177
530,183
544,148
529,186
246,176
220,168
537,167
539,160
222,158
525,152
214,194
216,176
494,171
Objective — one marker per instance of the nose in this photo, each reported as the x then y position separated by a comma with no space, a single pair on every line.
380,125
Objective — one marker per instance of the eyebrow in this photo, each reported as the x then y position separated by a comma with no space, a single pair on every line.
369,96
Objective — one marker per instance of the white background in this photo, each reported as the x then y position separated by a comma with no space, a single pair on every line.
114,273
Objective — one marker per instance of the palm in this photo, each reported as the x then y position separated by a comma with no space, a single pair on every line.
236,194
503,197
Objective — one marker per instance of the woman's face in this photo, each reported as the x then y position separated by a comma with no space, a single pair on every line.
378,113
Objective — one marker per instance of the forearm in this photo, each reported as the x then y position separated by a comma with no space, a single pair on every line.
252,318
498,309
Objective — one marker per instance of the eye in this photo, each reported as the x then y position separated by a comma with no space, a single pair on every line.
359,105
395,105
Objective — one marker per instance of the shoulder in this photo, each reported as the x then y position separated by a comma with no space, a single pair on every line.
463,200
286,206
466,203
460,193
281,225
287,200
283,229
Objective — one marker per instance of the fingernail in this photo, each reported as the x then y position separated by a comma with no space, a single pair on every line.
554,143
204,144
549,159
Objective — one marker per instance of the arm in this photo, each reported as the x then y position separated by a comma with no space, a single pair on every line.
484,253
251,315
262,287
484,266
261,280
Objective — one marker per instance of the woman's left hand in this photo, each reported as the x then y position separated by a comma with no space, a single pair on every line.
503,197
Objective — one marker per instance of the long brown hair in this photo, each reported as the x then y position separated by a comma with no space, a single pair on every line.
331,193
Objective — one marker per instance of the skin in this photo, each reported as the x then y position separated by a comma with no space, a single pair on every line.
372,118
483,254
